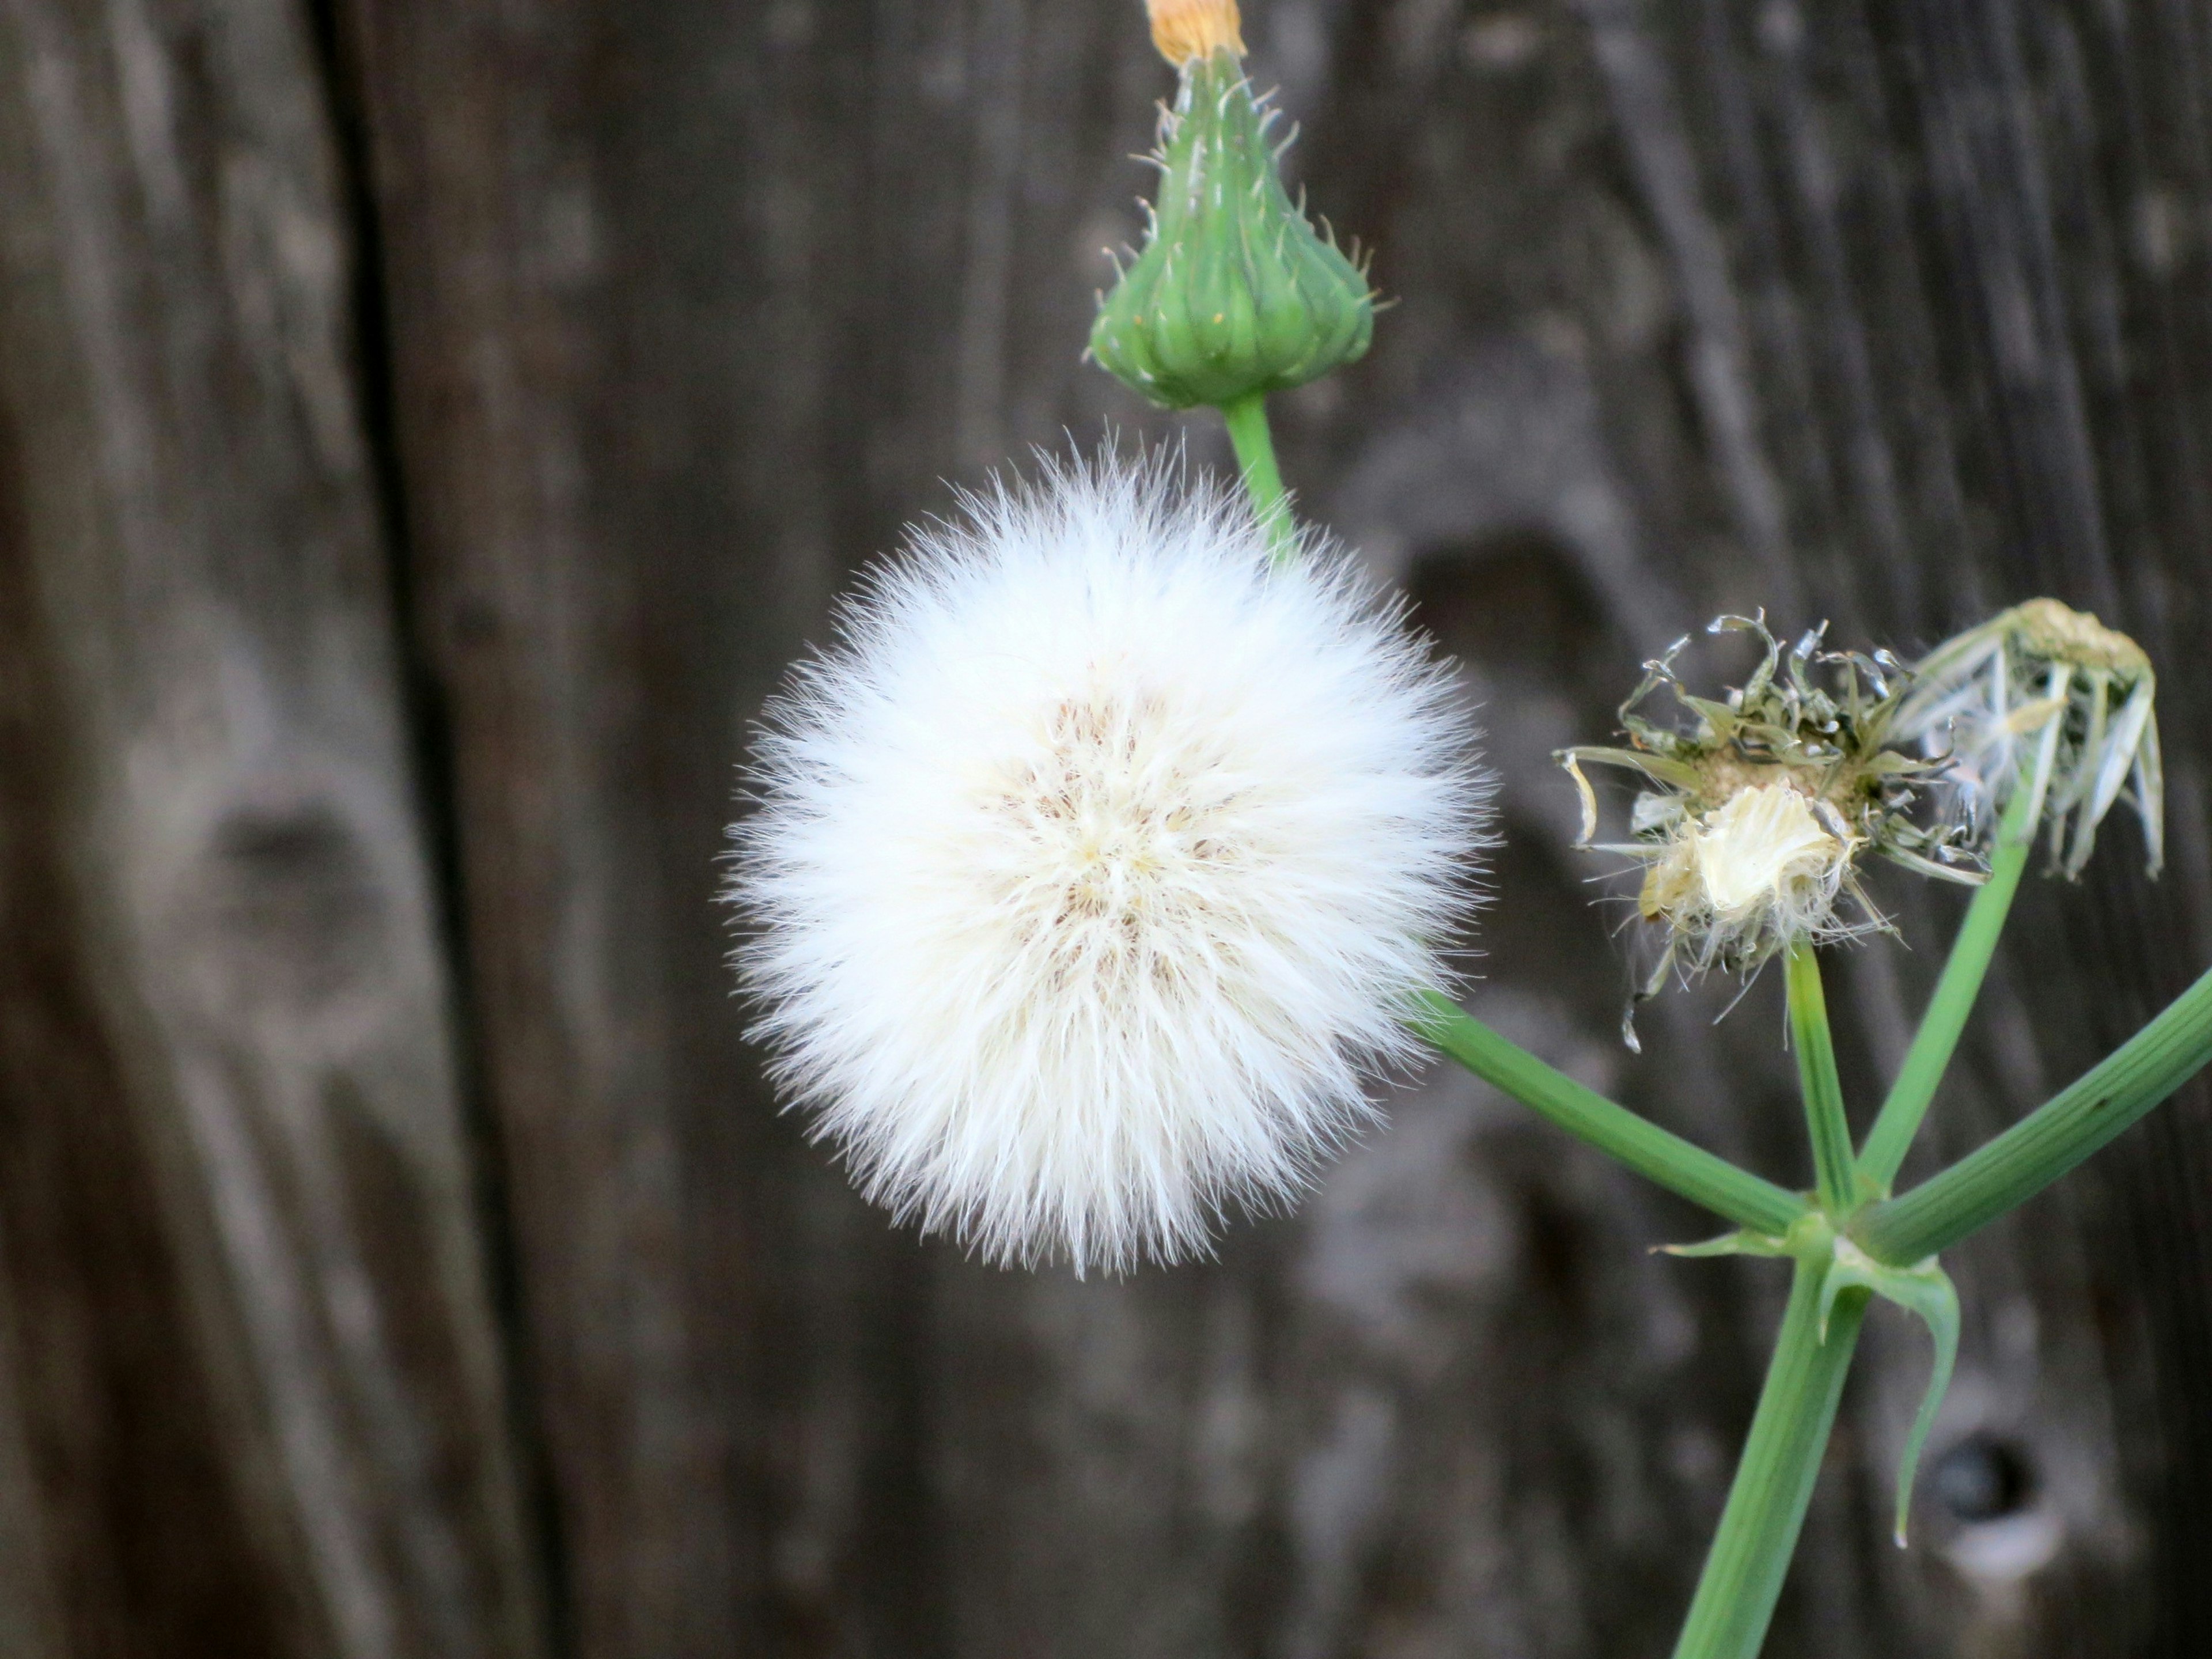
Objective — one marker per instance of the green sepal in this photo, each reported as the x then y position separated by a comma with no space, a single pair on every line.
1810,1237
1234,293
1924,1290
1740,1242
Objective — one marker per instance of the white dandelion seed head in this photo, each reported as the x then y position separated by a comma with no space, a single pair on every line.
1093,862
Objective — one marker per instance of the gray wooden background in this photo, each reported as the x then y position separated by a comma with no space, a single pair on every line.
426,428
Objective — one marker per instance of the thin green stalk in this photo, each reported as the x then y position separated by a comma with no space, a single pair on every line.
1643,1147
1933,1045
1750,1554
1247,417
2050,1140
1823,1090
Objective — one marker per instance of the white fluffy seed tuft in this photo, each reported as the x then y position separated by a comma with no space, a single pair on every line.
1755,875
1093,863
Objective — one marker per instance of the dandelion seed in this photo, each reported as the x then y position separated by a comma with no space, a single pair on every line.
1093,863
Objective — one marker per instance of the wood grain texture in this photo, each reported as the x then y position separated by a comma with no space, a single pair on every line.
615,339
572,675
1849,313
251,1347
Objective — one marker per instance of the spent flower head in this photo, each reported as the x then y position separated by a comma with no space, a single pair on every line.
1757,806
2050,700
1093,863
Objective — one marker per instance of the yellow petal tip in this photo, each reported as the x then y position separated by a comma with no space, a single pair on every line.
1184,30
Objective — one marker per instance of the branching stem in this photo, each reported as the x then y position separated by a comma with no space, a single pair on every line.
2050,1140
1750,1555
1937,1039
1832,1166
1664,1156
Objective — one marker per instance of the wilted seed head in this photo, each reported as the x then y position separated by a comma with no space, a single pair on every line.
1093,865
1758,808
2047,699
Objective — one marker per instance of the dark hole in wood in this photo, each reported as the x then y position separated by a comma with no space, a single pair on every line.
292,883
299,844
1983,1478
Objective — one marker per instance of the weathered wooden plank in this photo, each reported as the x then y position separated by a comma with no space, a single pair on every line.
1885,313
554,653
257,1365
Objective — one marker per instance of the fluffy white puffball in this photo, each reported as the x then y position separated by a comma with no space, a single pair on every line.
1091,863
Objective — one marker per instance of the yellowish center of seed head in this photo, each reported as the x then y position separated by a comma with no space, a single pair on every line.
2058,633
1120,832
1187,30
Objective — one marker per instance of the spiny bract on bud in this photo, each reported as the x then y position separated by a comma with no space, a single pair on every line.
1095,863
1758,812
1234,293
2048,698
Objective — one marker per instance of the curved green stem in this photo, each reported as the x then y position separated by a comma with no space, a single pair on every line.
1773,1487
2050,1140
1643,1147
1247,419
1817,1080
1937,1039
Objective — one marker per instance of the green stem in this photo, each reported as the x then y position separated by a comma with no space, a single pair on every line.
1750,1555
1817,1080
1901,1117
2050,1140
1643,1147
1247,417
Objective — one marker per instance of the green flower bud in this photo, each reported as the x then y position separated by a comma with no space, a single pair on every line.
1234,293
